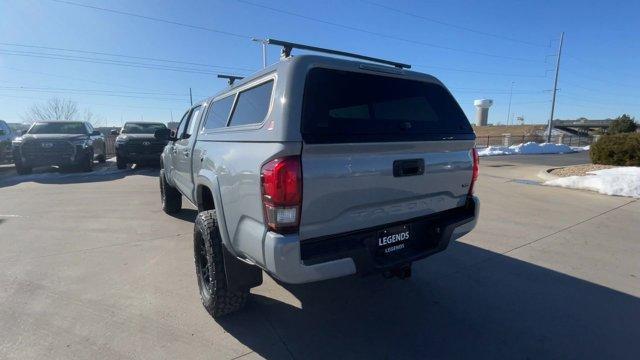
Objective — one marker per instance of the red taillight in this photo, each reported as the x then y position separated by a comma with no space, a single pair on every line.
476,169
282,193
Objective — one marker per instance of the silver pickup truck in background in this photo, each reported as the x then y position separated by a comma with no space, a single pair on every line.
318,167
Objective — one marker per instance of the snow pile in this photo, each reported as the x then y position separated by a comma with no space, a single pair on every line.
621,181
581,148
528,148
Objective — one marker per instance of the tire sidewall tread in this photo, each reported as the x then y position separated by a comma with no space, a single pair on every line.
220,301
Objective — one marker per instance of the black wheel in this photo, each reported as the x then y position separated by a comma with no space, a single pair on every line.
210,269
170,196
23,170
121,162
87,163
102,159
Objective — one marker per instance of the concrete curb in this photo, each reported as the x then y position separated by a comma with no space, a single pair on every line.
546,175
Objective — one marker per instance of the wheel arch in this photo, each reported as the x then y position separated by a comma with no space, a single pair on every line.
204,198
207,197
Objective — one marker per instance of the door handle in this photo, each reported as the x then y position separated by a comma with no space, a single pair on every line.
410,167
174,151
186,154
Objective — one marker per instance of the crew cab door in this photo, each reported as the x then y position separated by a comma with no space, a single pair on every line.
170,149
182,153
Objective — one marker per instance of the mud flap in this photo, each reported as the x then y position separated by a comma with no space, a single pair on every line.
240,275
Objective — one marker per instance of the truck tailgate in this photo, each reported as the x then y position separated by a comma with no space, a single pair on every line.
353,186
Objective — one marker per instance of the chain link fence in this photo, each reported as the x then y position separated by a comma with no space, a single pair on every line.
508,140
110,145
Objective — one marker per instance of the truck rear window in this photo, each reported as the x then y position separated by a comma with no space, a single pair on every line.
342,106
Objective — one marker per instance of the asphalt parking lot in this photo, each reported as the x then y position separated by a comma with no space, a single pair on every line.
92,268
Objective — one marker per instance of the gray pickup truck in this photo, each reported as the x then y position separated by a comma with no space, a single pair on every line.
319,167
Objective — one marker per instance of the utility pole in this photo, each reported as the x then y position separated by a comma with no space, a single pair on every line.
264,50
190,97
509,110
555,88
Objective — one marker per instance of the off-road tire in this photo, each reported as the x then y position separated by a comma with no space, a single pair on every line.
212,281
87,163
121,162
170,196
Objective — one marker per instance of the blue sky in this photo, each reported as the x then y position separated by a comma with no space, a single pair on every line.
477,48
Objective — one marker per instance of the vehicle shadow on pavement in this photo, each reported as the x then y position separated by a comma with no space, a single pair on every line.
57,176
464,303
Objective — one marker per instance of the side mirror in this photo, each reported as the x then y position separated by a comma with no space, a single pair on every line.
114,132
96,133
163,134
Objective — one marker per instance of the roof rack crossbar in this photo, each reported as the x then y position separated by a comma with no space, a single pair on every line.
288,46
230,78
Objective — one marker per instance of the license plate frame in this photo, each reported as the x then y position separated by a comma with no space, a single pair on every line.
393,240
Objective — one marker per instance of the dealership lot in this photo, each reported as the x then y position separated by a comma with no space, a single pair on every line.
92,268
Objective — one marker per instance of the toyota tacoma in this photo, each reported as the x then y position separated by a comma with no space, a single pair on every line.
136,143
318,167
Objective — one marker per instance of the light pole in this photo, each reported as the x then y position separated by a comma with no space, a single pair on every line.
509,109
264,50
555,88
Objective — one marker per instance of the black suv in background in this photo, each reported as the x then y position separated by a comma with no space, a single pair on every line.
61,143
136,143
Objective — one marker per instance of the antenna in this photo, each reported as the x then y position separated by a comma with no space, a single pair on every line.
230,78
288,46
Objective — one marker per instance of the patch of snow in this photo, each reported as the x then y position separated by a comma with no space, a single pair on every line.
620,181
529,148
581,148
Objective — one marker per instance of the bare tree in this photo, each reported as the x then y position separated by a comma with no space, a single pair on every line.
53,110
87,115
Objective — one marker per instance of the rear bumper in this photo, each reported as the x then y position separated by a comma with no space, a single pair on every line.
293,261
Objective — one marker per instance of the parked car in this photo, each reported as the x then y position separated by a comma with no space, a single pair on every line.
61,143
6,136
136,143
318,167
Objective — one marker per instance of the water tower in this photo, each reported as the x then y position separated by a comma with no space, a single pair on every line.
482,111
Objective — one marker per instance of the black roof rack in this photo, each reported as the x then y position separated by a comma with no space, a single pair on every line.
288,46
230,78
